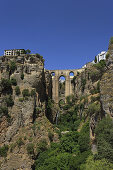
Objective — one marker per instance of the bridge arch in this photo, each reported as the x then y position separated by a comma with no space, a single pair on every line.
71,74
68,74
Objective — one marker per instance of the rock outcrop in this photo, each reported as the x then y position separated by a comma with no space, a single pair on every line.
25,121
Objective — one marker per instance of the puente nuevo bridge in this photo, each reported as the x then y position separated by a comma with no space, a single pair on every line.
56,74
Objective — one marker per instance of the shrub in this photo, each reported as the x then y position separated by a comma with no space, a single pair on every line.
6,86
95,59
50,135
21,99
33,92
28,51
104,137
102,164
12,66
30,148
9,101
37,55
25,92
3,110
84,139
107,55
111,41
13,81
17,90
4,150
83,83
20,142
95,89
42,146
94,108
94,75
101,65
22,76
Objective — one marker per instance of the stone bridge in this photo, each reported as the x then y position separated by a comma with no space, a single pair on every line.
56,74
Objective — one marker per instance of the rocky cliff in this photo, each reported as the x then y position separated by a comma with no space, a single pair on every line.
24,91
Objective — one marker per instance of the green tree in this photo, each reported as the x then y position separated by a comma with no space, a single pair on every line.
6,86
9,101
28,51
12,66
17,90
4,150
42,146
3,111
104,136
95,59
25,92
23,52
18,53
92,164
84,140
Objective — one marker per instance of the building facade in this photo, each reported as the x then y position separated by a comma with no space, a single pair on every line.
101,56
13,52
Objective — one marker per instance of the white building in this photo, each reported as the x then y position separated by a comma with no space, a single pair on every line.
13,52
101,56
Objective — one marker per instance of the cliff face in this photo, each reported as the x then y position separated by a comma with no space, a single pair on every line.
23,115
91,93
107,85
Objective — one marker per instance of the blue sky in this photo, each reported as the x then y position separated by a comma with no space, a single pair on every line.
67,33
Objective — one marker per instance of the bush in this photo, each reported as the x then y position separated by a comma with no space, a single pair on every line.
3,111
20,142
13,81
30,148
95,89
12,66
95,59
6,86
83,83
33,92
21,99
111,41
42,146
84,139
9,101
107,55
4,150
17,90
50,135
94,75
22,76
102,164
25,92
104,137
94,108
101,65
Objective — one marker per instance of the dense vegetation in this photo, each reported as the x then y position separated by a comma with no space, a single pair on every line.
73,151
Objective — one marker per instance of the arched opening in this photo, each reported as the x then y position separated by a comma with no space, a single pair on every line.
61,86
71,74
53,74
